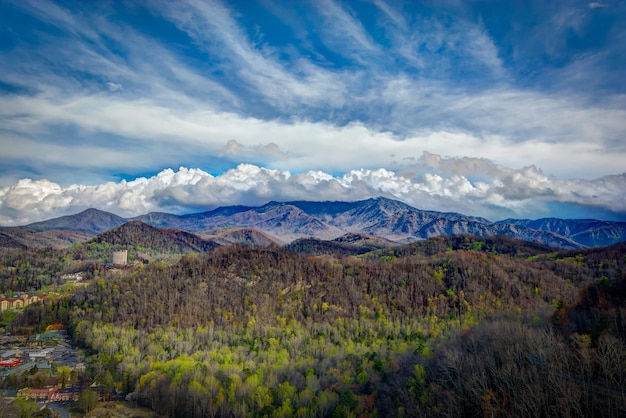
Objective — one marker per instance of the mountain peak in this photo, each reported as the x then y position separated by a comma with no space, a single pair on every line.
378,216
92,220
94,211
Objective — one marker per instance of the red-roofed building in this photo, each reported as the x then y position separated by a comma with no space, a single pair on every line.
64,395
21,302
12,362
52,394
36,394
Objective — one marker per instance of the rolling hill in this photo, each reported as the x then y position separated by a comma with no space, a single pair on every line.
249,236
349,244
53,238
164,240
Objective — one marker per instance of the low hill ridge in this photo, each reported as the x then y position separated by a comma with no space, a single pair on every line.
137,233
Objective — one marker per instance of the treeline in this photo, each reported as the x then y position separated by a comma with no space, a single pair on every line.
233,285
23,270
497,245
600,309
268,332
52,310
321,247
164,240
576,368
33,269
443,327
346,245
504,368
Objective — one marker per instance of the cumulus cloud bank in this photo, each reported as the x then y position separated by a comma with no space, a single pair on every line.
468,185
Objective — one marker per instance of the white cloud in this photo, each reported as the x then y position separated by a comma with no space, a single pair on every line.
344,32
393,15
113,86
255,152
213,27
559,135
433,183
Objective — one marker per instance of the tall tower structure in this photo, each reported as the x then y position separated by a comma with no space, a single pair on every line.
120,258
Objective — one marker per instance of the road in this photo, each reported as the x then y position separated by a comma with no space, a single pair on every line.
58,408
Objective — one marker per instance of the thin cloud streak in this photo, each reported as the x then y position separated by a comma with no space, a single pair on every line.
207,21
346,34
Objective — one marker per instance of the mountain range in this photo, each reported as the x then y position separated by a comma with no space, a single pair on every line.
284,222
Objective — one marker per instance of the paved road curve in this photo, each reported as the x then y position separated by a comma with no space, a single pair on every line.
58,408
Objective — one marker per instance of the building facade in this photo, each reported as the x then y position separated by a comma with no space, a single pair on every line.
120,258
20,302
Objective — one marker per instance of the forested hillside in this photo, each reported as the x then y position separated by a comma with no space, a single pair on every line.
451,326
268,332
164,240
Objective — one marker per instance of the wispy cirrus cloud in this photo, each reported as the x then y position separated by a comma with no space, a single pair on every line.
212,26
392,14
596,4
345,34
332,87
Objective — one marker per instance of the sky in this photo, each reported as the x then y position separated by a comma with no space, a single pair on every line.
500,109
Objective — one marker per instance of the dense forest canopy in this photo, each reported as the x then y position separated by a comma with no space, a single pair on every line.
451,326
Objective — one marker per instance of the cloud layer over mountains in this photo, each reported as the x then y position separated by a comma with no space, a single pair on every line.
432,183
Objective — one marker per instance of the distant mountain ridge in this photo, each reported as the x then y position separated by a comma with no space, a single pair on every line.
588,232
91,220
284,222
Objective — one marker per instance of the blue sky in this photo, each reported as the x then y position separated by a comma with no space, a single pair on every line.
491,108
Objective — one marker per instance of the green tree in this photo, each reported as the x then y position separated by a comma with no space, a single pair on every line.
88,400
64,373
262,397
25,409
284,411
198,394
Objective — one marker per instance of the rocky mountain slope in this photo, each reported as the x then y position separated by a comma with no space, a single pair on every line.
284,222
588,232
53,238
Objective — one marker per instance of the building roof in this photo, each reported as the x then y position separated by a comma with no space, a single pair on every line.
47,336
9,393
69,390
7,353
